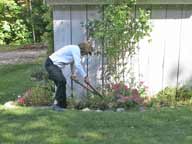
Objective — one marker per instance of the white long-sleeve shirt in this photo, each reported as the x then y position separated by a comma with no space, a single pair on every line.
69,54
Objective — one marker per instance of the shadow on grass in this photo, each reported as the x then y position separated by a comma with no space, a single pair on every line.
14,80
44,126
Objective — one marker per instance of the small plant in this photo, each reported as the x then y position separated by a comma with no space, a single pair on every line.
91,101
21,101
142,89
173,96
38,96
184,93
121,89
125,96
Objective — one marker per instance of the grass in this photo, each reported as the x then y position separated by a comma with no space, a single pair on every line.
14,80
26,125
44,126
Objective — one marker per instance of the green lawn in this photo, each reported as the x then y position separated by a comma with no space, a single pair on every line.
15,79
44,126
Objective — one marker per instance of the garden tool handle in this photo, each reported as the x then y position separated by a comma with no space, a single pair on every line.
91,89
75,80
96,92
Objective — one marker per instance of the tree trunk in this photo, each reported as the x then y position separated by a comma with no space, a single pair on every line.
32,23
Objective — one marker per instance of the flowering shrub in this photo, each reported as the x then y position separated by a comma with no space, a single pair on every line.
121,89
117,95
126,96
91,101
38,96
21,101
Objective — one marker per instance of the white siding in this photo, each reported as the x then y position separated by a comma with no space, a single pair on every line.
157,51
163,62
61,23
78,16
185,71
173,28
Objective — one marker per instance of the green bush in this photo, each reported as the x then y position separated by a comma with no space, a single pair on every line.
172,95
38,96
166,96
184,93
91,101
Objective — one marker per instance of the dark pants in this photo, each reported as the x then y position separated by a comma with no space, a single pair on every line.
56,75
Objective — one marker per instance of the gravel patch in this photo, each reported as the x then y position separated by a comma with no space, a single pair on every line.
20,56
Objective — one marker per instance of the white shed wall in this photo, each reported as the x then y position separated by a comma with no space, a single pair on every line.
163,62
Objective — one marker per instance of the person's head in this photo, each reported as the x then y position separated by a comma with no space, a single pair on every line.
85,48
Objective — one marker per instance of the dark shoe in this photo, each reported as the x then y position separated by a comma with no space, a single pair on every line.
57,108
62,104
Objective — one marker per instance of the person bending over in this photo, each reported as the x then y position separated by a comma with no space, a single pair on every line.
69,54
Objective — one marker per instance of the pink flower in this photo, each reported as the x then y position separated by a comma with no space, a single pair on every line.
123,99
21,100
146,87
116,86
141,82
126,87
135,92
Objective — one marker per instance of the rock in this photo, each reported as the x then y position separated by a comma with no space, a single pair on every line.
86,109
141,109
120,110
10,105
109,110
98,110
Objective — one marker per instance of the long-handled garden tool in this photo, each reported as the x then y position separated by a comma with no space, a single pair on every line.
89,87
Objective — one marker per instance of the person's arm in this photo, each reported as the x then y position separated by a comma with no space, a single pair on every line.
72,68
73,74
77,62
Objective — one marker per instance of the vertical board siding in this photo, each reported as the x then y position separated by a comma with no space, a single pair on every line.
185,71
61,23
78,17
165,61
173,23
158,17
62,35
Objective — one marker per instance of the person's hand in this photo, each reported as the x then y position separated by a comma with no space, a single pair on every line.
86,79
73,77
